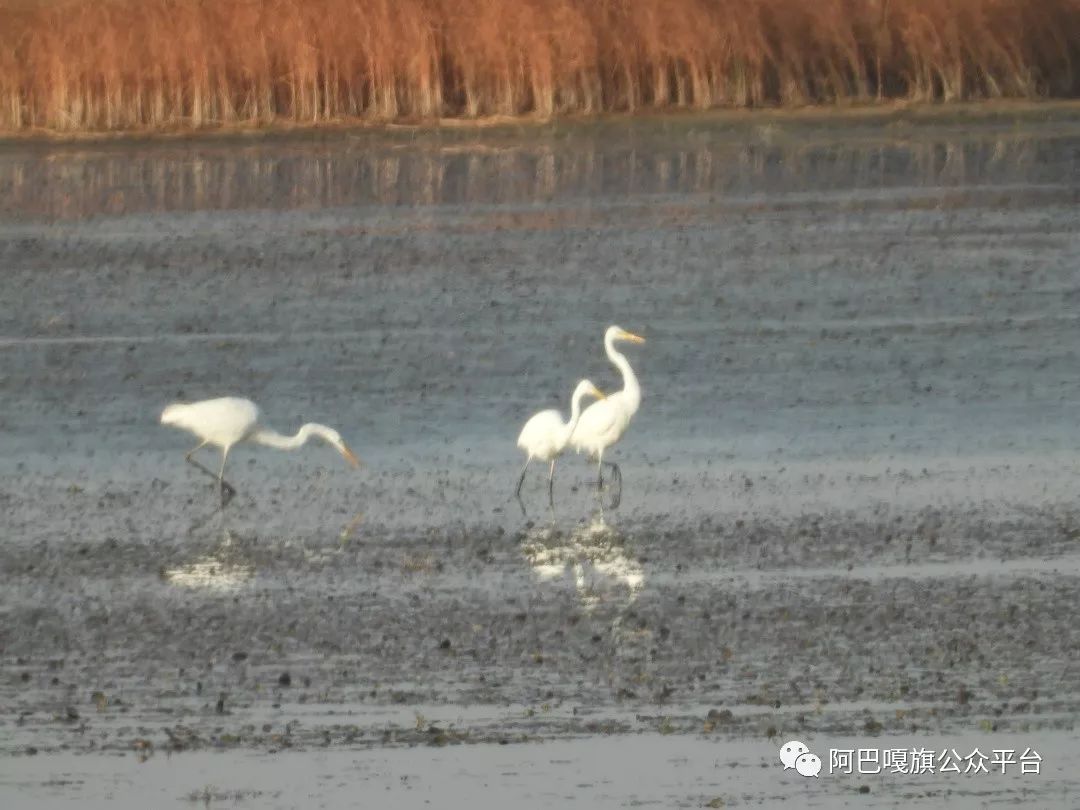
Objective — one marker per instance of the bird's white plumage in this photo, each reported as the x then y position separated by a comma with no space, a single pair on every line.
221,422
603,423
601,427
540,437
546,435
227,421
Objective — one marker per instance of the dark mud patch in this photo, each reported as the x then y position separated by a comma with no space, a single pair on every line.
835,624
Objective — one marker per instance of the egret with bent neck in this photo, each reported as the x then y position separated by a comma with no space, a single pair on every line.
228,421
545,435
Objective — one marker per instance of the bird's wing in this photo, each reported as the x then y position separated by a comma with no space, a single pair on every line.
539,426
596,421
223,421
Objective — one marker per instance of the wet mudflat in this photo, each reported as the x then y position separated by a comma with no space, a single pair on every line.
850,497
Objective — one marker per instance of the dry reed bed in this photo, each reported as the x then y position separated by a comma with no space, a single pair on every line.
91,65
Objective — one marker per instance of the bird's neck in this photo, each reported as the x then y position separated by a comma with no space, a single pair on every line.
631,390
271,438
575,415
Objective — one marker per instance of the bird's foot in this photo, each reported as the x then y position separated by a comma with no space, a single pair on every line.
227,493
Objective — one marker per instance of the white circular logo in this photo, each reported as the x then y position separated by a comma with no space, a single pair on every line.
808,764
791,751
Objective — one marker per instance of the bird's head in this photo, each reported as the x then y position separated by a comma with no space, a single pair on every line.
343,448
585,388
615,333
333,438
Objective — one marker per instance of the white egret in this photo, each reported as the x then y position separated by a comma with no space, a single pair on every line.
545,435
227,421
603,423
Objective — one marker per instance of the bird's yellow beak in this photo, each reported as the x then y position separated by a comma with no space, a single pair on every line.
599,394
632,337
350,456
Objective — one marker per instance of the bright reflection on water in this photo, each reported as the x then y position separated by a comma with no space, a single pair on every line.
210,573
591,557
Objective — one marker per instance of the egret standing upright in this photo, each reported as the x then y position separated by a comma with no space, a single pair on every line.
603,423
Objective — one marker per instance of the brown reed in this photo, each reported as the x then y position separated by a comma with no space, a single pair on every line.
99,65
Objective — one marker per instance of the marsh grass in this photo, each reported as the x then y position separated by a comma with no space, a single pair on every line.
100,65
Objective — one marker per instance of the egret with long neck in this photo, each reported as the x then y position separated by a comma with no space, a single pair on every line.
228,421
603,423
546,435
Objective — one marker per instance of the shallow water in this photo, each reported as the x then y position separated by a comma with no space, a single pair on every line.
849,497
621,771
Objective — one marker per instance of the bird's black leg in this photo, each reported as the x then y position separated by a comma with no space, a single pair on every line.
599,482
616,475
521,480
195,449
227,489
551,485
517,492
227,493
200,467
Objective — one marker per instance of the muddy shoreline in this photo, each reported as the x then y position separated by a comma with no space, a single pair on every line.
847,121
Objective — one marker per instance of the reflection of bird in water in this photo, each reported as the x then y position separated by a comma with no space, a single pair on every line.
592,557
545,435
228,421
606,580
213,572
604,422
350,527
